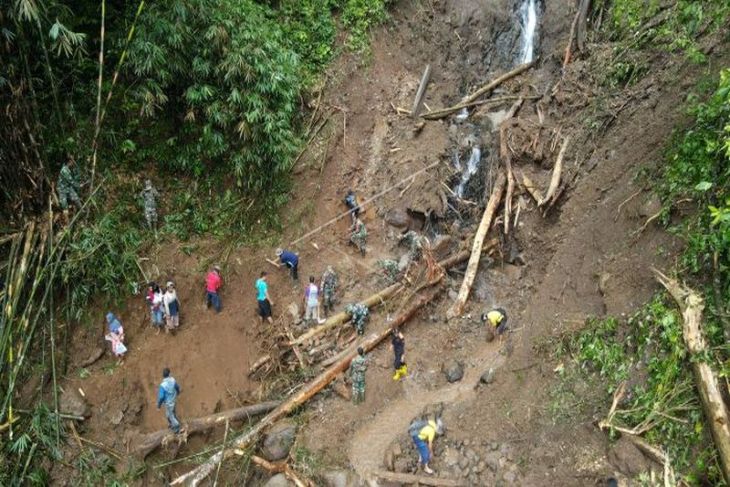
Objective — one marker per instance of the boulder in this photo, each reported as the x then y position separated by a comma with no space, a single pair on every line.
278,480
279,441
492,460
487,377
340,478
453,370
72,402
398,218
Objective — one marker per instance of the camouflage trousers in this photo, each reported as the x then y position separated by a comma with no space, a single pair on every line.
359,239
65,195
328,300
150,214
358,390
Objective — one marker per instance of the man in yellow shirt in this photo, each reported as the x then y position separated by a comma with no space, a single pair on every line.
497,318
423,433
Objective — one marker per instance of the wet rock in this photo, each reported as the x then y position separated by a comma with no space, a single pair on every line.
453,370
627,458
116,417
279,441
278,480
487,377
93,357
492,460
398,218
403,465
72,402
463,463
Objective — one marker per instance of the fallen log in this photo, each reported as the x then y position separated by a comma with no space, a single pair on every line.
580,33
378,298
692,305
281,467
149,442
258,364
532,189
571,36
557,171
441,113
506,156
407,478
421,91
195,476
476,251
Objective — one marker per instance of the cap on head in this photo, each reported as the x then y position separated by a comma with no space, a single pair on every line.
279,251
360,351
217,268
170,284
110,317
165,372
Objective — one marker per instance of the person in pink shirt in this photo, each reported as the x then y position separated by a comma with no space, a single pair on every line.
213,283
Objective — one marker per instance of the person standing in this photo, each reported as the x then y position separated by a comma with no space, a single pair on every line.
167,395
360,315
329,287
154,300
263,299
291,260
398,343
172,307
359,235
311,303
213,283
358,366
68,186
352,205
423,433
149,194
115,336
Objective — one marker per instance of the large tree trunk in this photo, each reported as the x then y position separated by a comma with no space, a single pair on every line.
476,250
196,475
692,305
149,442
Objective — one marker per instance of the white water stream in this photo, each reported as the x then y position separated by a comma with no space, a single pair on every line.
469,170
528,21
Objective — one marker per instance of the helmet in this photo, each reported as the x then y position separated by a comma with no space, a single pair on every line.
279,251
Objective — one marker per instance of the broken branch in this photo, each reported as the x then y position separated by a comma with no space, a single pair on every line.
557,171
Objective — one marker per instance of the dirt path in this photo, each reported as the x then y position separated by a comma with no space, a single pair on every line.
369,442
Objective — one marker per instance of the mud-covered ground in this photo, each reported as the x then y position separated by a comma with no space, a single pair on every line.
583,258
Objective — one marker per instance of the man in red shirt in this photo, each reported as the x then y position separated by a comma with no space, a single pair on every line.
213,283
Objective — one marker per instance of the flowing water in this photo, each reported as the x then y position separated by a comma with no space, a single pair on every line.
471,167
528,21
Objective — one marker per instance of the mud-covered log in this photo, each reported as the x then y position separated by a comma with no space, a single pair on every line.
421,91
557,173
195,476
476,251
149,442
407,478
692,305
281,467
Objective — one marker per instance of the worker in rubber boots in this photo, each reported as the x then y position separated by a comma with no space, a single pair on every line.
398,343
496,320
359,235
68,186
358,366
423,433
167,395
149,195
329,288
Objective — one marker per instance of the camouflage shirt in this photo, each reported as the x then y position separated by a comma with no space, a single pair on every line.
150,195
68,179
329,282
358,366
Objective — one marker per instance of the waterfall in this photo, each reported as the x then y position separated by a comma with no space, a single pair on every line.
528,21
471,168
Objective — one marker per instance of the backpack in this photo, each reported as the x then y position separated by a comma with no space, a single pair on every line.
416,426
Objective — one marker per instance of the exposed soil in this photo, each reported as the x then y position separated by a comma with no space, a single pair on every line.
584,258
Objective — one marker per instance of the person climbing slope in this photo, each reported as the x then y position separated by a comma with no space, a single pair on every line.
311,303
167,395
398,343
115,336
497,318
359,235
423,433
172,308
213,283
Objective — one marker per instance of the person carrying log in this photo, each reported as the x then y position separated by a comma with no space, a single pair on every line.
263,299
213,283
358,366
359,235
496,319
167,395
290,260
329,288
423,433
398,343
360,314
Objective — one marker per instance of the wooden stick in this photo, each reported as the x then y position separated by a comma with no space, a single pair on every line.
259,363
557,171
478,93
691,304
437,114
532,189
281,467
407,478
476,250
273,262
566,58
149,442
421,91
507,159
195,476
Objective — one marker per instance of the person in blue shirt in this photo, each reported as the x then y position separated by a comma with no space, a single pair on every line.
263,299
291,260
169,390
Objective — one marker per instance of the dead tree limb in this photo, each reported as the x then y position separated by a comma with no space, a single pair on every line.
149,442
506,156
441,113
557,171
476,250
580,34
195,476
421,91
692,305
531,188
281,467
259,363
407,478
569,47
480,92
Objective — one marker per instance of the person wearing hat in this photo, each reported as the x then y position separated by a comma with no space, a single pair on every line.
291,260
423,433
358,366
213,283
172,307
149,194
167,395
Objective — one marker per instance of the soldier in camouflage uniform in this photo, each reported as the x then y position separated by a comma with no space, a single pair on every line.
359,235
358,366
390,269
360,314
414,243
149,194
68,186
329,286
